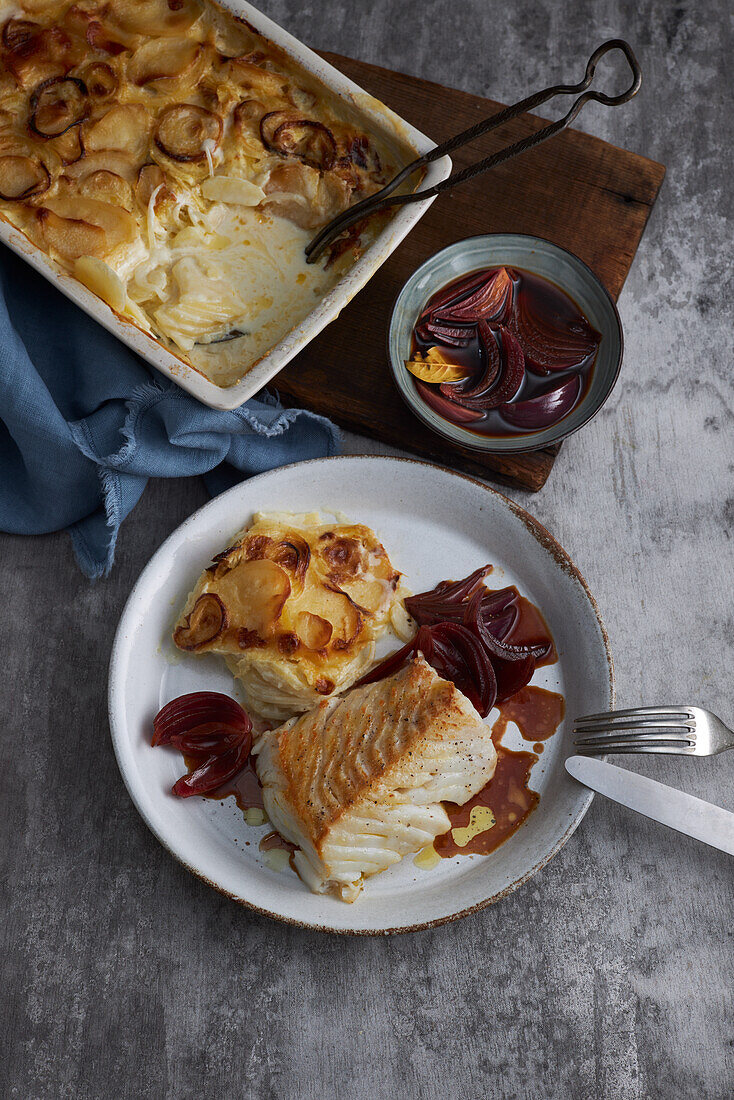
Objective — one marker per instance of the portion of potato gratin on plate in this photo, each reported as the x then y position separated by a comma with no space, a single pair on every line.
177,163
357,774
295,606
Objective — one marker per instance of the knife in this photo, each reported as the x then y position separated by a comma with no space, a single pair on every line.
692,816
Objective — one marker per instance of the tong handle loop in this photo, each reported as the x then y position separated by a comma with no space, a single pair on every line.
607,47
531,102
385,197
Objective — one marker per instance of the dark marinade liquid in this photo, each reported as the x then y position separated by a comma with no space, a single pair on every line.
549,301
245,786
538,714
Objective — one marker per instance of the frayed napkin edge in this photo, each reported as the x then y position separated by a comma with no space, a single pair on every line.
141,400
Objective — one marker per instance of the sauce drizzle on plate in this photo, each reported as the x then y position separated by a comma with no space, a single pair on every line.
245,787
507,795
537,713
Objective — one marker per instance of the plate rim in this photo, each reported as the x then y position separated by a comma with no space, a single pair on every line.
546,540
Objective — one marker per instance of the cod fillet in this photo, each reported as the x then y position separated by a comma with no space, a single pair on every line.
358,782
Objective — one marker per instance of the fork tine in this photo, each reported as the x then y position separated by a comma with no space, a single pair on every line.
628,738
639,712
611,729
639,747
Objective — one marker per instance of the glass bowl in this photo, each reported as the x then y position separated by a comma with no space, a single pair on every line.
542,258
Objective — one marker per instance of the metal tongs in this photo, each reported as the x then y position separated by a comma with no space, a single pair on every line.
384,198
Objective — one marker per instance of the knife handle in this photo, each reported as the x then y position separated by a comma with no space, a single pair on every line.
683,812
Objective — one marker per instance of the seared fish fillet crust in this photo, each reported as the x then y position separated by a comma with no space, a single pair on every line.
358,782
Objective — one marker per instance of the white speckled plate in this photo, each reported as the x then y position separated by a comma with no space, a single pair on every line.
434,525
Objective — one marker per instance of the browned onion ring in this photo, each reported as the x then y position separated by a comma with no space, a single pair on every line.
206,621
318,149
182,131
247,111
269,123
310,141
100,79
18,31
36,187
43,102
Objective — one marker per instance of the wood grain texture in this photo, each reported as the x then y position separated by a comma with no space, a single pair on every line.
576,190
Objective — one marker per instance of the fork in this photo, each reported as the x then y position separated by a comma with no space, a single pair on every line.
685,731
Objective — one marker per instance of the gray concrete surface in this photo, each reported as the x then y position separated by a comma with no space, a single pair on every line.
610,974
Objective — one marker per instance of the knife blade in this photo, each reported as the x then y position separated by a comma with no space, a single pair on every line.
684,812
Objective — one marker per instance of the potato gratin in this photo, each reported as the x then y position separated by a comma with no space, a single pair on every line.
295,606
177,163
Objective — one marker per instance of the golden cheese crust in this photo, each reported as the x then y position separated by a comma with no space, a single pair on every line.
300,604
125,123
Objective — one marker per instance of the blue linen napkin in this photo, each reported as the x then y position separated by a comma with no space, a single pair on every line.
84,423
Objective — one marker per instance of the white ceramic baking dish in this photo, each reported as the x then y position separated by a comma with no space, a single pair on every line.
380,120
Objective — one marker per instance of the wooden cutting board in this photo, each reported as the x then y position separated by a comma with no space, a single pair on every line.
575,190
